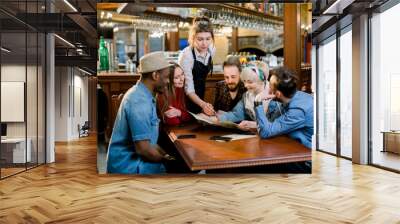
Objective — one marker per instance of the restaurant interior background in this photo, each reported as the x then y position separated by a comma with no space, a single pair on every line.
272,32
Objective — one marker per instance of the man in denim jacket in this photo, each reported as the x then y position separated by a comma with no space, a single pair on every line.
133,147
297,109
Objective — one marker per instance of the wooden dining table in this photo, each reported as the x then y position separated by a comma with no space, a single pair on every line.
202,153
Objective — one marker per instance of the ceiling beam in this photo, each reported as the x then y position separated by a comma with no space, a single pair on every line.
84,24
82,61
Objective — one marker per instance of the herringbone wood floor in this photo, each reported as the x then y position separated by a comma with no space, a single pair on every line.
70,191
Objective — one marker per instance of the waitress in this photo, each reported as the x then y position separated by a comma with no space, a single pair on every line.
196,61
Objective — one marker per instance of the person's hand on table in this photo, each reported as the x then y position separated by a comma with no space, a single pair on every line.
213,119
247,126
173,112
208,109
164,155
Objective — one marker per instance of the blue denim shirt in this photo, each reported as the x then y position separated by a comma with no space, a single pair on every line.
136,120
297,120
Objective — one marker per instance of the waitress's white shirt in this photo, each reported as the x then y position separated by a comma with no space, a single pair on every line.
186,61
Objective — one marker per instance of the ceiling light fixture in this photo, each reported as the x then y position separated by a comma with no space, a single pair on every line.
65,41
5,50
70,5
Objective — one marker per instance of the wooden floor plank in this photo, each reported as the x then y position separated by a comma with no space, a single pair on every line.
71,191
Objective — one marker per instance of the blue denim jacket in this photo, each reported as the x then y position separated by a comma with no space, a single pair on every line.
237,114
136,120
297,120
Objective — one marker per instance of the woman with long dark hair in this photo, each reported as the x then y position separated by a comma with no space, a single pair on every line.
171,103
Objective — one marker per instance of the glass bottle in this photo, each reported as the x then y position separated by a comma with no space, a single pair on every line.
103,55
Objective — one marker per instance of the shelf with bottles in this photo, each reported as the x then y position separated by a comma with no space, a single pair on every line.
172,56
244,57
118,57
273,61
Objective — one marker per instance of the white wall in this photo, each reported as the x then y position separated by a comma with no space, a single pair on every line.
61,103
13,73
34,125
10,73
71,93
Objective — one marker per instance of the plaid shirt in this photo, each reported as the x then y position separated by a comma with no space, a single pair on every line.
223,100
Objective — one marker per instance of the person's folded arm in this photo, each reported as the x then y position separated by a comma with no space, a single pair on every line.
237,114
147,151
291,120
273,110
141,125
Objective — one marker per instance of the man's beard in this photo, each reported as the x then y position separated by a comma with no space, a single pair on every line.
234,88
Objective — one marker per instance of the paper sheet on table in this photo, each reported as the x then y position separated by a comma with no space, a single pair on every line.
201,118
239,136
226,124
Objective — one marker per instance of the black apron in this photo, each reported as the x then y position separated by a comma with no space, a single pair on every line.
200,72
